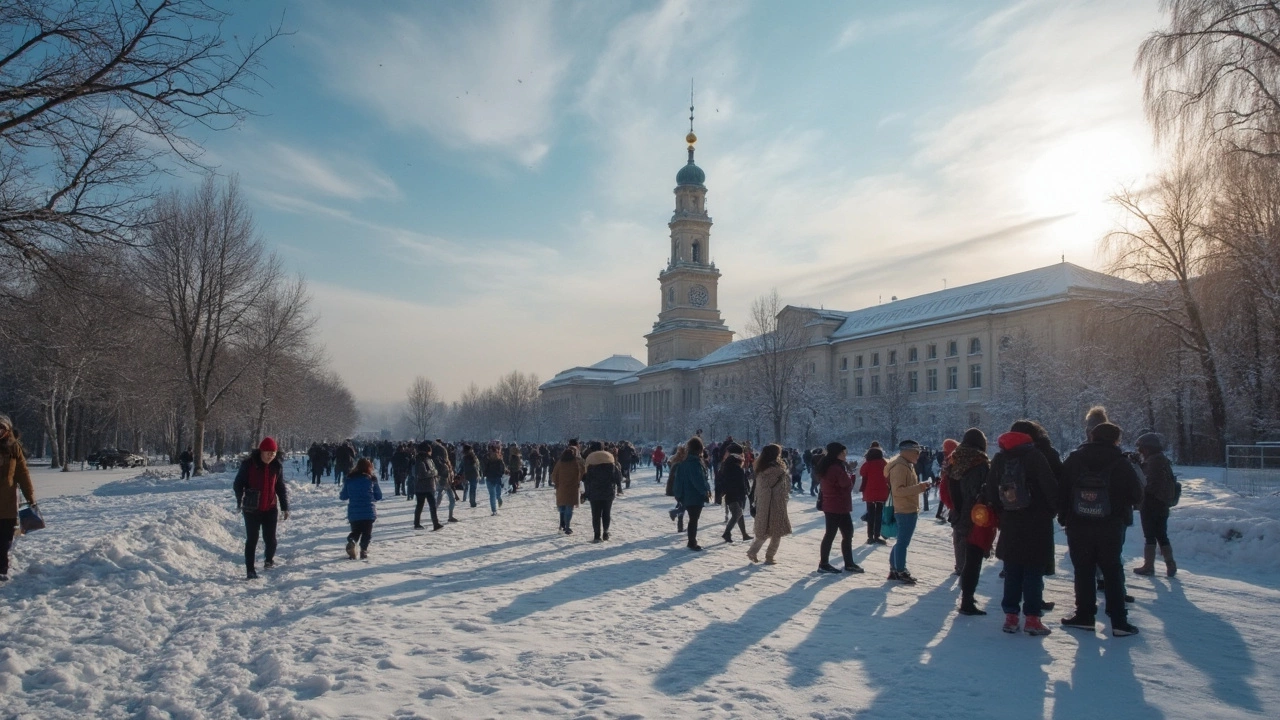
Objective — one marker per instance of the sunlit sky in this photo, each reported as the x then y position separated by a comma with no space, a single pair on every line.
472,188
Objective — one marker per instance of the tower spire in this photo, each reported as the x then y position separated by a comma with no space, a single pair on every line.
691,138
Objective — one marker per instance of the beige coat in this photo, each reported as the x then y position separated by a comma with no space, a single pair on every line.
904,485
773,489
14,476
566,477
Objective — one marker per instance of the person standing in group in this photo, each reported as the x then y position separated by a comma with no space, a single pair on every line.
426,480
676,513
535,466
1100,488
444,480
515,467
836,497
659,458
360,489
772,493
965,475
186,461
1160,492
732,488
692,487
494,470
603,482
470,472
948,446
875,491
1023,489
566,477
14,477
263,498
906,489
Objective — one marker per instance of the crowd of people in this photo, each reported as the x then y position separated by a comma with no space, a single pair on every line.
1003,502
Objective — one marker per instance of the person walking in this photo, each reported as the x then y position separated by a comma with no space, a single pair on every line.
603,482
965,475
186,461
360,489
676,513
494,470
1159,494
15,477
515,467
875,491
426,480
470,472
263,499
1023,489
1100,488
836,493
772,491
906,489
444,479
732,488
691,486
566,477
659,458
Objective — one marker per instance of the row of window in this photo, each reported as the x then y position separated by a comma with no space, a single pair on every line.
913,381
975,420
913,354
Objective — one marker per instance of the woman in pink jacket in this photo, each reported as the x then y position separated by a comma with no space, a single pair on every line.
875,491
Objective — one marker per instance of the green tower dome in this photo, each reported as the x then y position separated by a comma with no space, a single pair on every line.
690,175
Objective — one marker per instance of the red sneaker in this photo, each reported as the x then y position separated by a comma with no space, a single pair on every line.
1033,626
1010,623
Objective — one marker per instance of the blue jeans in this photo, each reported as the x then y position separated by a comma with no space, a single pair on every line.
443,492
1023,590
495,493
906,528
566,516
471,490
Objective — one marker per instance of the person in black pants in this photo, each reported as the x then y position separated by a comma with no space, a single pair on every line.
966,474
691,487
732,487
263,498
837,505
601,483
425,479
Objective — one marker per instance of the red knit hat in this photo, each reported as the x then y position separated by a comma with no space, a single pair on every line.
949,446
268,445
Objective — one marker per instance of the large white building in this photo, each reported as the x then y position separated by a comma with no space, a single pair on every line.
937,362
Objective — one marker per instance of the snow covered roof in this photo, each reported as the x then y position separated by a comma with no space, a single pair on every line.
735,350
1054,283
623,363
610,369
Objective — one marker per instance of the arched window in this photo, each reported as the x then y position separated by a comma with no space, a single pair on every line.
697,252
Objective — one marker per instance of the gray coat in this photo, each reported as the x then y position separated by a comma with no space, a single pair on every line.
425,475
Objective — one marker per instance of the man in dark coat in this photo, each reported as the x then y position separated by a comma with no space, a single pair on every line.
732,487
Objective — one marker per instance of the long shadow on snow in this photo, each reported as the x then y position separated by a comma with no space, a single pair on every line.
1102,669
709,653
1203,639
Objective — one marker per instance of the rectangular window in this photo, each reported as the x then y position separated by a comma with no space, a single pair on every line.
844,363
857,387
844,387
975,376
875,385
913,381
931,352
875,359
953,378
931,380
975,346
893,357
912,355
858,362
951,349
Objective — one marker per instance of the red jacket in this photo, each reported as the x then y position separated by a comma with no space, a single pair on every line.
837,490
875,487
659,457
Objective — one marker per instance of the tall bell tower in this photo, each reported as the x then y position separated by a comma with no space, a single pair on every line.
689,326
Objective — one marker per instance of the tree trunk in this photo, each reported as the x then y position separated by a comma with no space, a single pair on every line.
197,446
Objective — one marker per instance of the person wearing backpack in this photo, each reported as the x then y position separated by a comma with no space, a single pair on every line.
426,479
1021,487
964,476
1160,493
1099,489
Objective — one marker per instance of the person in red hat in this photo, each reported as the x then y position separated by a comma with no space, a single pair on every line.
263,498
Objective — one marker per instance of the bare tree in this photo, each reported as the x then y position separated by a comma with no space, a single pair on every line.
1165,245
775,354
93,97
515,399
279,339
424,406
892,406
207,275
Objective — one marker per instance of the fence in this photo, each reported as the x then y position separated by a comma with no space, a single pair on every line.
1253,469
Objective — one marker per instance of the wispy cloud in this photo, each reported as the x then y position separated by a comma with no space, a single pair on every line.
863,28
482,75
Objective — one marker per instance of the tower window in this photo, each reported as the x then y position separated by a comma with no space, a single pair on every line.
697,252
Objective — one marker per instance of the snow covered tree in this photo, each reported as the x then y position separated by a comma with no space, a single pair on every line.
423,406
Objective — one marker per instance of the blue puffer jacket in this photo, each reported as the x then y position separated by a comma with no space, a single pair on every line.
360,492
690,483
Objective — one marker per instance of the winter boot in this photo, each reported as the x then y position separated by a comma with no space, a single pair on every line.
1170,567
1148,561
1081,622
680,524
1034,627
351,549
1123,629
1010,623
969,607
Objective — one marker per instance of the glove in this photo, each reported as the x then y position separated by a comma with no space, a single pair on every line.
284,515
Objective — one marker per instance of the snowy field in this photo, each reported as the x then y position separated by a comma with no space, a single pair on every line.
133,604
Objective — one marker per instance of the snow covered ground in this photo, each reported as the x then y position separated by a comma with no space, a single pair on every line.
132,604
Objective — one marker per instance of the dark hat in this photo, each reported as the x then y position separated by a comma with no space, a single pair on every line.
908,445
733,448
1151,441
974,438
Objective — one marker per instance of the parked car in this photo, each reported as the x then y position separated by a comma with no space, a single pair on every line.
116,458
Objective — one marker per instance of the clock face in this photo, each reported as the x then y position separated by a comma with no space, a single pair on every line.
698,296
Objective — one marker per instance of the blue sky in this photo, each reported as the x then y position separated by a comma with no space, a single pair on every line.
472,188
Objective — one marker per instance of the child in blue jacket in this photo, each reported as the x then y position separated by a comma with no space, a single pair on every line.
360,489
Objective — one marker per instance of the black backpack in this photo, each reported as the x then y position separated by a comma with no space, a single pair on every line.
1014,494
1091,493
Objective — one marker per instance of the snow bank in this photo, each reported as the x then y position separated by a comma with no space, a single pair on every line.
1214,528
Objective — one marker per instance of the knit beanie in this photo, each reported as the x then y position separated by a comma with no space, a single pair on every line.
973,438
267,445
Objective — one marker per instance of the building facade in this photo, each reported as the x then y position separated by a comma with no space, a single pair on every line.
929,365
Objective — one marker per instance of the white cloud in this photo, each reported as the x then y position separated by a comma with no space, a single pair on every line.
336,175
476,75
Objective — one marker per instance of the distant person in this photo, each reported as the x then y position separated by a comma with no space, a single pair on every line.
836,495
14,477
771,493
965,475
186,461
263,498
732,488
494,470
470,473
692,487
426,479
566,478
676,513
875,491
360,489
602,483
1159,494
659,458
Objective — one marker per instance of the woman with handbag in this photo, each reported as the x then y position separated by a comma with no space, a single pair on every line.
14,476
966,474
835,489
771,493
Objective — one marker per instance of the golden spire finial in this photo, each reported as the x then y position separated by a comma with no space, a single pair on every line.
691,138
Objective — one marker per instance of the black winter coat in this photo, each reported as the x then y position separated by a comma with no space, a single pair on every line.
966,474
731,481
1123,487
602,480
1026,536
